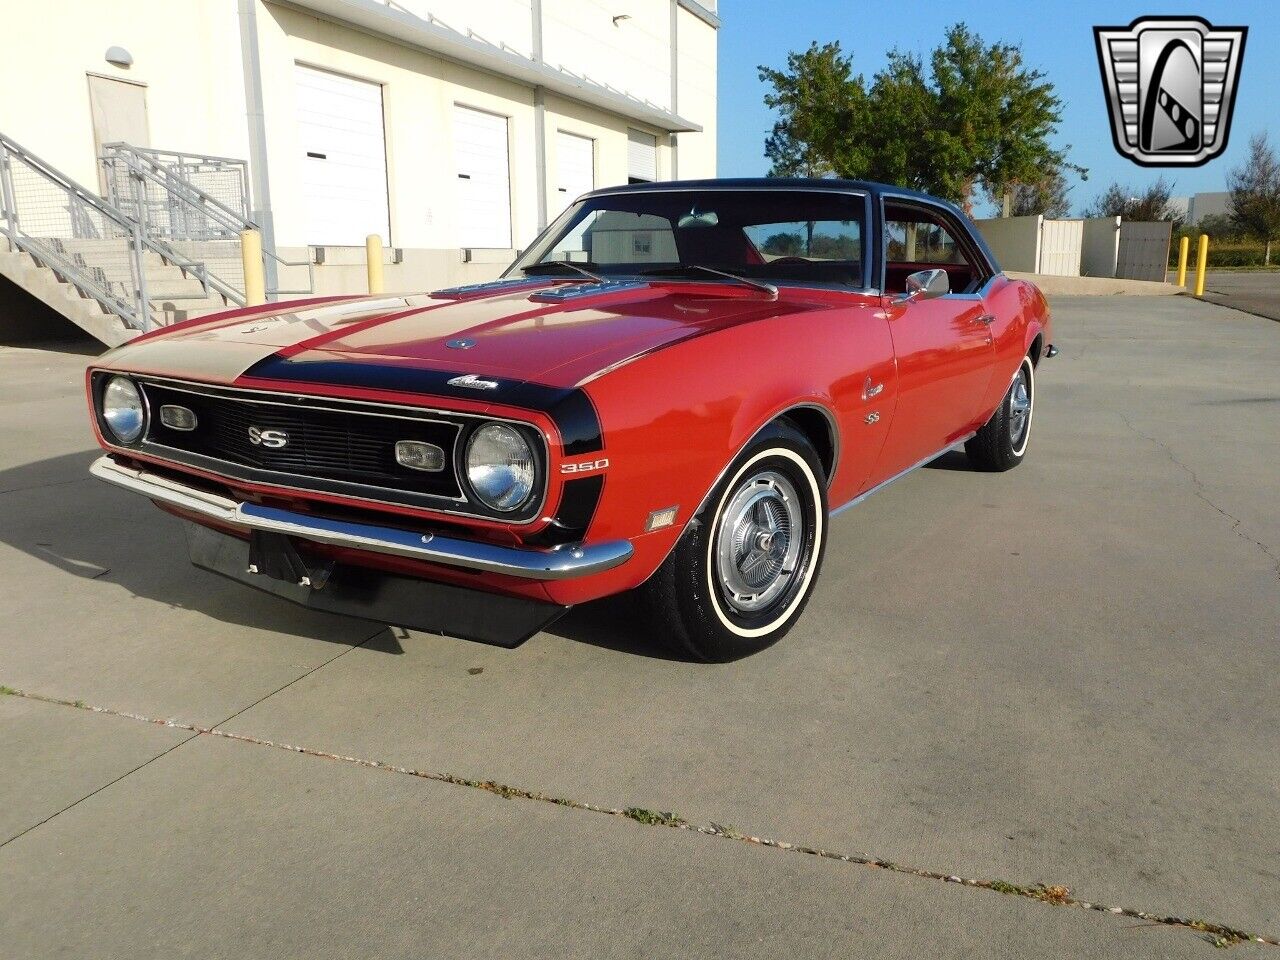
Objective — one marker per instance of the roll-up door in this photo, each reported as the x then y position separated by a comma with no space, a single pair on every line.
344,158
642,157
484,179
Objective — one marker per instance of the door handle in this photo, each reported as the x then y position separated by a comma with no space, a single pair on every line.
987,318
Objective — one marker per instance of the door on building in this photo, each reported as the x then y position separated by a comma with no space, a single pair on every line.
119,112
642,157
484,179
343,158
575,166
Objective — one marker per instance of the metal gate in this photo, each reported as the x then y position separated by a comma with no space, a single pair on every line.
1060,244
1144,250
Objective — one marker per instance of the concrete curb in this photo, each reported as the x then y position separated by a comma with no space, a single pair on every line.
1097,286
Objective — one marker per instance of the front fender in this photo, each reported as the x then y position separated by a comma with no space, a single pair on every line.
674,421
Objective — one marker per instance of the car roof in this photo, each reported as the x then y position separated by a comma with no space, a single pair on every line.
768,183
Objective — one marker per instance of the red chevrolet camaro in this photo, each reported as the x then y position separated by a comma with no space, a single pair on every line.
672,391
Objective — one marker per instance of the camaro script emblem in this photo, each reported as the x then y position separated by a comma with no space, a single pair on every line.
474,382
268,438
1171,87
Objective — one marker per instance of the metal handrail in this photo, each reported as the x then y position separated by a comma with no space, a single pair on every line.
137,160
50,249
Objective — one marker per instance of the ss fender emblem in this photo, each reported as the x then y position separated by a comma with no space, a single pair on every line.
268,438
587,466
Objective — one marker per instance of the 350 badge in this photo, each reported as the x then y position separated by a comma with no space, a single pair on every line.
586,466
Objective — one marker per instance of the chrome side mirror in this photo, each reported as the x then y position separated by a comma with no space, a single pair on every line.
925,285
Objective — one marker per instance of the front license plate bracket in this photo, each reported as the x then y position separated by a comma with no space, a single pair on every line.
275,556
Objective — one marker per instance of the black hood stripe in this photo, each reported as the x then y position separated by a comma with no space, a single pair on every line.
569,408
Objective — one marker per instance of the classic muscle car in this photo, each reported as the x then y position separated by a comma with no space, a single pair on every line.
672,390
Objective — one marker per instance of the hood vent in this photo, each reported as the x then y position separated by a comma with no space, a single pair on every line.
577,291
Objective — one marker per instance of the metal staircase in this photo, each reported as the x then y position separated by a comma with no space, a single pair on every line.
160,248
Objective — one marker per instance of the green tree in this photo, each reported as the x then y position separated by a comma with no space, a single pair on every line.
1149,204
1255,193
971,115
1048,197
820,103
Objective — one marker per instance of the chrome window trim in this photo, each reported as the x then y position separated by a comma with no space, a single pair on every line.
340,488
983,261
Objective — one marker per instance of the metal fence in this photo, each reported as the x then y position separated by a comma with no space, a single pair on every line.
166,192
83,239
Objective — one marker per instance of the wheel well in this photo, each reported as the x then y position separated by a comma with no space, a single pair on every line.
1036,346
819,430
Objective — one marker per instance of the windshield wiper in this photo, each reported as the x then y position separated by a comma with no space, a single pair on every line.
567,264
768,288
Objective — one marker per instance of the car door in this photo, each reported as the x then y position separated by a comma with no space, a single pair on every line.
942,344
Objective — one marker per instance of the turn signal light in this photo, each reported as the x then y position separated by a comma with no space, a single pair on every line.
177,418
417,455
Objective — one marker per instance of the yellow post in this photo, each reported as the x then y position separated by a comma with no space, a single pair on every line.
255,284
1184,247
373,257
1202,262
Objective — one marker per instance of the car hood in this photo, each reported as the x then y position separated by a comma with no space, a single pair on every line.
520,333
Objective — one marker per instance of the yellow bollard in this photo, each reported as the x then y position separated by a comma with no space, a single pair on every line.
1184,247
1202,262
373,257
255,284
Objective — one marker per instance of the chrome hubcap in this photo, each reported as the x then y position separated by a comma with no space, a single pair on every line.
1019,408
758,544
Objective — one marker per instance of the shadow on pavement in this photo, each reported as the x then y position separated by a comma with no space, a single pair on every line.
54,511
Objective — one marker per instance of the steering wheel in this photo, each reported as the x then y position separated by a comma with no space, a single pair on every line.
786,260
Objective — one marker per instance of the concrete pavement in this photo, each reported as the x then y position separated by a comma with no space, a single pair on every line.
1254,291
1064,674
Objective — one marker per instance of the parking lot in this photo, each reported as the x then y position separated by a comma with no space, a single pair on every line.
1064,675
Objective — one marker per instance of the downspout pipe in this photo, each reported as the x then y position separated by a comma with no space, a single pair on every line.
260,181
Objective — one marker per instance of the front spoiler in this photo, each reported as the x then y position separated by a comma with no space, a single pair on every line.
556,563
384,597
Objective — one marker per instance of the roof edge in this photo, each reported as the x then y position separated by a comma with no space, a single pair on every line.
394,23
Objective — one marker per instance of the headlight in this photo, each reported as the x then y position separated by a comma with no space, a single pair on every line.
500,467
123,410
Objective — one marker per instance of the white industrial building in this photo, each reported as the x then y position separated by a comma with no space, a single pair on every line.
454,130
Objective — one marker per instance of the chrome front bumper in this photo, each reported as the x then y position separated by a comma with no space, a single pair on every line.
557,563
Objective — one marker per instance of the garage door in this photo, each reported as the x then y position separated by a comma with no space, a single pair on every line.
642,157
344,158
484,179
575,166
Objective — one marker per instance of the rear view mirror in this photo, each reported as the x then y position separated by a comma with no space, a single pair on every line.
925,285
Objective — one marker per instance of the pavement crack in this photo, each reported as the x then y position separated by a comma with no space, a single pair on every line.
1217,934
1199,489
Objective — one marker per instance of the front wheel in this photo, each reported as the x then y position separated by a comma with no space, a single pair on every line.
745,567
1002,441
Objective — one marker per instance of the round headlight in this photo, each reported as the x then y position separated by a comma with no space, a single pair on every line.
500,467
123,410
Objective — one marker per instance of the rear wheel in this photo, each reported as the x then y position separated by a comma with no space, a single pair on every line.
1002,441
744,569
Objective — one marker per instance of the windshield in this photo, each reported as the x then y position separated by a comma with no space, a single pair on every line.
774,236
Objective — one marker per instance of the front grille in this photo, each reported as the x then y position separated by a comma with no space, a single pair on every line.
320,441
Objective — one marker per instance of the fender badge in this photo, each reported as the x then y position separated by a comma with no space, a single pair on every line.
474,382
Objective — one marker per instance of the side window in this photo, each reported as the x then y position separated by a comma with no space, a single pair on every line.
916,239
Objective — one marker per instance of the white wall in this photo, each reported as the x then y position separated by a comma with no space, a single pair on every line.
1014,240
1101,247
188,55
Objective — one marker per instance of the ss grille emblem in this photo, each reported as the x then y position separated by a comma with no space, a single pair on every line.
268,438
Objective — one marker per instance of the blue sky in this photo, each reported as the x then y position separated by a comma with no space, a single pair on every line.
1055,37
